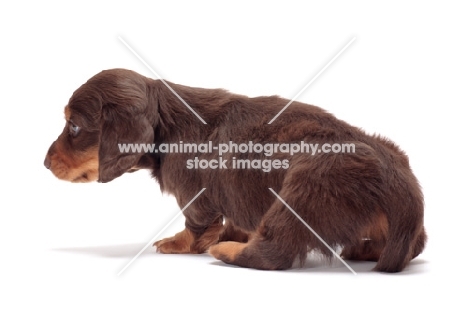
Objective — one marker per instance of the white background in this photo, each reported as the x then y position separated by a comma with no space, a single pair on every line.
405,77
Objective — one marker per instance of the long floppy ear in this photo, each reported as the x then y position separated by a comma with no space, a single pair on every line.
121,125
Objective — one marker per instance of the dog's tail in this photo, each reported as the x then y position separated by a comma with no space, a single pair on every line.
406,235
420,243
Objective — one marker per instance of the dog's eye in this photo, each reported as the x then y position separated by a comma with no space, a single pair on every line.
74,129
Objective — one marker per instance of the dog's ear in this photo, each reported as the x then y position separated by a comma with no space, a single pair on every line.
122,125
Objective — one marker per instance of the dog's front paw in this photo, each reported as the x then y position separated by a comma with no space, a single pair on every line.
171,246
167,246
178,244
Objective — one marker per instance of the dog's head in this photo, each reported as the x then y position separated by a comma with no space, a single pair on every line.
111,108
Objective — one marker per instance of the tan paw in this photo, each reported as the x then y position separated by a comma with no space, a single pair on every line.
227,251
178,244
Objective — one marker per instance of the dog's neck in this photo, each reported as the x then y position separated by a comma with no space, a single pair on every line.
168,112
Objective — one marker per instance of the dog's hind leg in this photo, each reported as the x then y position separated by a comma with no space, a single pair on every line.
259,252
337,195
274,246
340,197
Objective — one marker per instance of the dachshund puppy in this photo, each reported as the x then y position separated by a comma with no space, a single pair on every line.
366,202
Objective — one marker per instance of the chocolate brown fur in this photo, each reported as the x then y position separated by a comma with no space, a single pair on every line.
367,202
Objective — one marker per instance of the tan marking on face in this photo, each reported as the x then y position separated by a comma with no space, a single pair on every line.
75,167
67,112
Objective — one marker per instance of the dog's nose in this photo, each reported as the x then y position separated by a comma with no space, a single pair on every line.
47,162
